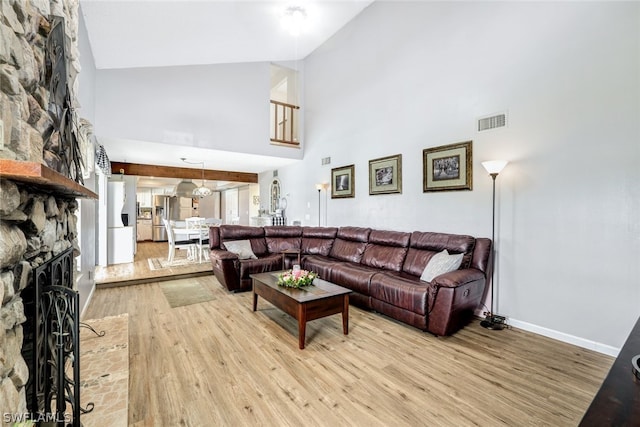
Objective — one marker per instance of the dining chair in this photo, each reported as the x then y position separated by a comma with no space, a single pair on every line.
173,245
213,221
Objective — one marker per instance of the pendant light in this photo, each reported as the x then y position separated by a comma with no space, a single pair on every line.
190,189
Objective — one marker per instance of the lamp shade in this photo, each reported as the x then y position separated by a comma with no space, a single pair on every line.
201,191
185,188
494,166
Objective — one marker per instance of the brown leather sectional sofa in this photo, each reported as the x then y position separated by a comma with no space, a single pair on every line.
382,268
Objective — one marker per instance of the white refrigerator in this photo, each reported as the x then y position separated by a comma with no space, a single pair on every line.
120,238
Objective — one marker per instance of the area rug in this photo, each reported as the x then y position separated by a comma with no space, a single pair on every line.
104,371
185,292
160,263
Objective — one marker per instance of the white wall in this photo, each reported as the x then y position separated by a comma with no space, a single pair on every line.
230,205
88,212
403,77
209,207
223,107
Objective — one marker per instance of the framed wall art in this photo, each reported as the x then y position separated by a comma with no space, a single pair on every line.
385,175
448,167
343,182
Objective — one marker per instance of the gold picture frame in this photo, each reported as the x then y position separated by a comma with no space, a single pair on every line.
448,167
343,184
385,175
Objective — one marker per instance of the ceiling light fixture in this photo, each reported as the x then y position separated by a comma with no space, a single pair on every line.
293,19
192,190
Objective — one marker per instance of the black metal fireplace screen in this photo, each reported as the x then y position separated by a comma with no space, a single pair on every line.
51,346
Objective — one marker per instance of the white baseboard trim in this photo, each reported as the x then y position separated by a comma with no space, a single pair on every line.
561,336
86,304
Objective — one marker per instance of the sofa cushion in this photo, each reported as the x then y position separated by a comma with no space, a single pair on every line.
242,232
283,231
346,250
282,238
386,249
318,240
214,237
400,290
353,276
260,265
350,244
424,245
319,264
356,234
242,248
315,246
441,263
320,232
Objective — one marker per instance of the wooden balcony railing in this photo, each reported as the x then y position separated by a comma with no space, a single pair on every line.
284,123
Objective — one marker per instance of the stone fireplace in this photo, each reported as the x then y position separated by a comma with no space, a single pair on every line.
41,167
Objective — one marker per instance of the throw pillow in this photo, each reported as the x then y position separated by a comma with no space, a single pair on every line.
242,248
441,263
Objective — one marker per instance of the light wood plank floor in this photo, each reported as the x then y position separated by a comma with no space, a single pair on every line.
139,271
220,364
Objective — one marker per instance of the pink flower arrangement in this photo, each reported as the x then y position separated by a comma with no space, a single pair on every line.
296,278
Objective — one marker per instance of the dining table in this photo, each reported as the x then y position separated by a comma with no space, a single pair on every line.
200,234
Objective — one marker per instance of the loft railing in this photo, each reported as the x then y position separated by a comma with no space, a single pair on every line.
284,123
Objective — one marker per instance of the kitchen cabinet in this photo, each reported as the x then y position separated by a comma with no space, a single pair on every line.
143,196
185,208
145,230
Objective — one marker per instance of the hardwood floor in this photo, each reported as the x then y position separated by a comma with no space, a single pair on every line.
139,270
221,364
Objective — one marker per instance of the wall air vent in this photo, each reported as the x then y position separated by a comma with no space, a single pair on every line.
492,122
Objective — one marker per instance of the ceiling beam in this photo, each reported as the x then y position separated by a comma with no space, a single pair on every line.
183,173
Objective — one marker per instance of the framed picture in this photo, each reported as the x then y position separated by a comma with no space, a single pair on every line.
343,182
448,167
385,175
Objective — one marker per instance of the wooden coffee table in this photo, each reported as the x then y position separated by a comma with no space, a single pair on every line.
309,303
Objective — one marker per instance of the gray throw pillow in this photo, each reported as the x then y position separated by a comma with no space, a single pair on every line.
242,248
441,263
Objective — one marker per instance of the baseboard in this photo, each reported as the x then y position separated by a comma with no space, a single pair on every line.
86,303
561,336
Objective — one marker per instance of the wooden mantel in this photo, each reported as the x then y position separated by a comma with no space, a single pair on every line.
42,176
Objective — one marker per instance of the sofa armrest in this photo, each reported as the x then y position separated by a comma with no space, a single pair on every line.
456,278
222,255
453,298
225,268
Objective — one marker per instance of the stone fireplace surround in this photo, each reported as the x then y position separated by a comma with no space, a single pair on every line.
38,205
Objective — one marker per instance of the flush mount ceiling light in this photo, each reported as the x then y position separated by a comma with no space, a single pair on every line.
293,19
189,189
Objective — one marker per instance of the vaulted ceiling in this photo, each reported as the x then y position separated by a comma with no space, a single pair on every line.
160,33
157,33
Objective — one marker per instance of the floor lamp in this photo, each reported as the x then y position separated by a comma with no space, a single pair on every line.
493,321
319,187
